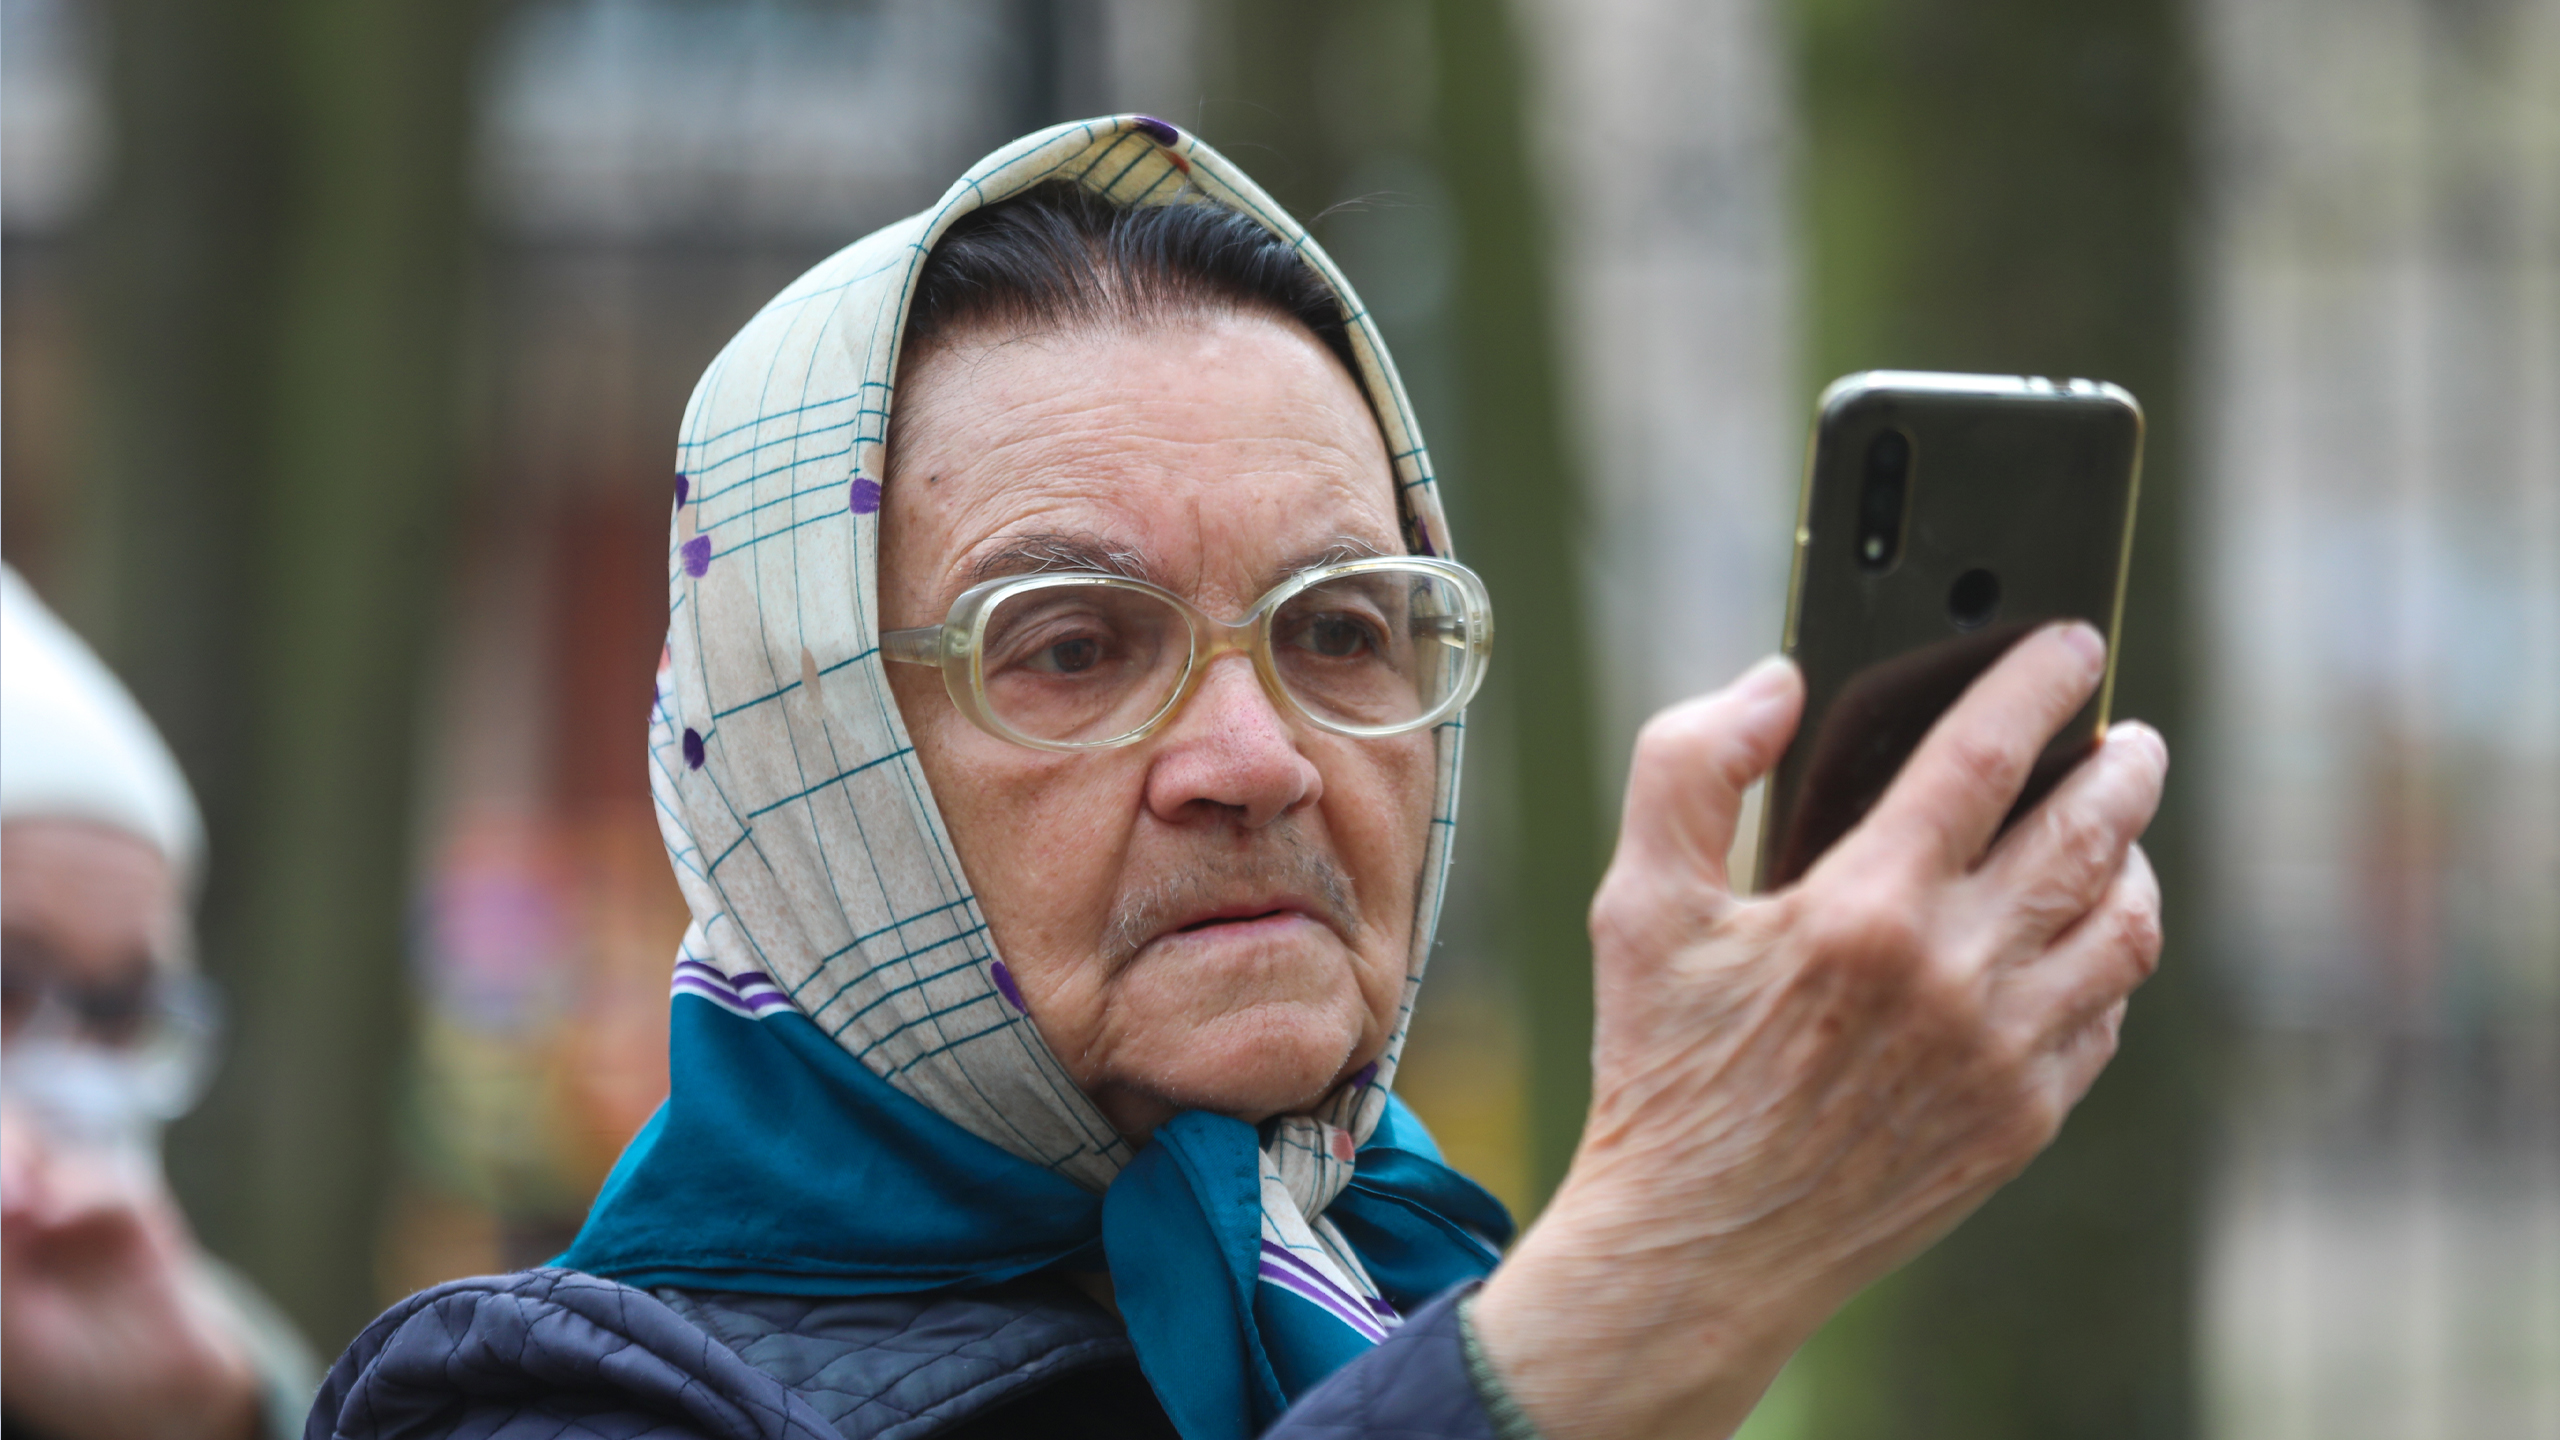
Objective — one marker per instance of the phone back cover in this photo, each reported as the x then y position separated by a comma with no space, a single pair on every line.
2030,481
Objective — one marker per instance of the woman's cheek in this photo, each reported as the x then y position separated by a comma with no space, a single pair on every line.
1046,854
1384,830
1388,825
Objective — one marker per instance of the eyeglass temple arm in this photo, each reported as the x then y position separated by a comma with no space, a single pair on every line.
920,646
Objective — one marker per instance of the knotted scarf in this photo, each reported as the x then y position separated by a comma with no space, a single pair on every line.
859,1103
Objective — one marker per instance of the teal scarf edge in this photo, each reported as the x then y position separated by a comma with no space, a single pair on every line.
780,1165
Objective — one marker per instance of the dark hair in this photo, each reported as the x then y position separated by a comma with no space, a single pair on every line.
1060,253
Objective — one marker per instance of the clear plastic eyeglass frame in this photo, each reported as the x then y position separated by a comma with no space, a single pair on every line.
955,646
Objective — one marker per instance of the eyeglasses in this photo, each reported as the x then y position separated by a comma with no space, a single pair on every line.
101,1059
1084,661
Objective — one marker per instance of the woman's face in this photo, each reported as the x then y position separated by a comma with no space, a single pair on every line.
1216,917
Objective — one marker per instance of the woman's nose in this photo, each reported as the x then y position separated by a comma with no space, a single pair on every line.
1230,754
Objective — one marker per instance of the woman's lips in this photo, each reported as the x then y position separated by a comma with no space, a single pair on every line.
1238,916
1255,919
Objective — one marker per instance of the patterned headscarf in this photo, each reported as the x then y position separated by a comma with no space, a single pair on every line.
860,1102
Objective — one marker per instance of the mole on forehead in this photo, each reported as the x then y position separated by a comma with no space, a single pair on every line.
1050,551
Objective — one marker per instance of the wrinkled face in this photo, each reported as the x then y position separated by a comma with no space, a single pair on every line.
1216,917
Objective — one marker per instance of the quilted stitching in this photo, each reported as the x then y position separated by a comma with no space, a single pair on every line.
893,1367
557,1355
545,1354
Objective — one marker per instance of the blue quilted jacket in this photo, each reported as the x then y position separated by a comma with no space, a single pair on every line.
559,1355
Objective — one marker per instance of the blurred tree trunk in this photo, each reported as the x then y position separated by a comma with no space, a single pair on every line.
277,285
2003,185
1521,500
1264,110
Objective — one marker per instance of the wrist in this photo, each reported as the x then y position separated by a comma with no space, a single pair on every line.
1510,1421
1600,1328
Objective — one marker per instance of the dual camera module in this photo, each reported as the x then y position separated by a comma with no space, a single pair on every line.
1884,509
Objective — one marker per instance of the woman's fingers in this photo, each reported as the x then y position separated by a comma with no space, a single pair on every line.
2075,998
2094,965
1956,788
2060,861
1692,763
2073,1065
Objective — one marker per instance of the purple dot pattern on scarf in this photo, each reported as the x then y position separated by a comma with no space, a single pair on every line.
1367,1077
697,555
692,748
1156,130
865,496
1004,983
684,488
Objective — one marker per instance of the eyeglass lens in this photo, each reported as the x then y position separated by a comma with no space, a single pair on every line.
1085,663
130,1014
1082,662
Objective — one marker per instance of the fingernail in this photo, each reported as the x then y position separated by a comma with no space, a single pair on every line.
2134,732
1765,681
2084,637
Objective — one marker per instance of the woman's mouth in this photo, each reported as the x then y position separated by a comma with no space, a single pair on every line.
1243,915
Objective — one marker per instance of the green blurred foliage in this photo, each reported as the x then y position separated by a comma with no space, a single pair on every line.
1525,505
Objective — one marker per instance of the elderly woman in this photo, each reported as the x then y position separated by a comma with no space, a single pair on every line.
1060,764
114,1323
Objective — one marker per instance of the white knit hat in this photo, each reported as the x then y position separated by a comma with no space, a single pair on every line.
73,743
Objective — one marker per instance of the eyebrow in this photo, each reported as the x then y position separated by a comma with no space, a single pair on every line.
1047,552
1343,547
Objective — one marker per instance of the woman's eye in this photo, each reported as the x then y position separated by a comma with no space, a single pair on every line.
1337,636
1053,649
1070,657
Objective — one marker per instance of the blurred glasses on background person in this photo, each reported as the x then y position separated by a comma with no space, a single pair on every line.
102,1061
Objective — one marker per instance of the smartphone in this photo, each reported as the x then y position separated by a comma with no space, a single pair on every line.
1943,518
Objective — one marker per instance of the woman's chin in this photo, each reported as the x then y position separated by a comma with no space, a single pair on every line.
1270,1060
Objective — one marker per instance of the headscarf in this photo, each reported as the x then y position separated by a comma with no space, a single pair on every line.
73,745
860,1103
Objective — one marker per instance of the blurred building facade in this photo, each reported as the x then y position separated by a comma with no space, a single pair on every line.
2381,338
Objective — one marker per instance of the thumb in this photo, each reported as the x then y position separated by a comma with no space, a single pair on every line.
1694,760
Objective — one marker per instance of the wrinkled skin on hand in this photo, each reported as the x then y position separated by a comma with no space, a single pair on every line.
108,1328
1795,1093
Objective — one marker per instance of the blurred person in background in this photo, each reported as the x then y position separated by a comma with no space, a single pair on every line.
1060,775
114,1325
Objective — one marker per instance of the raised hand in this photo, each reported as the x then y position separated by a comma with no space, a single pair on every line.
1794,1093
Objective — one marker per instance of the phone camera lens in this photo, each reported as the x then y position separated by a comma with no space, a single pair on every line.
1973,599
1882,498
1890,454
